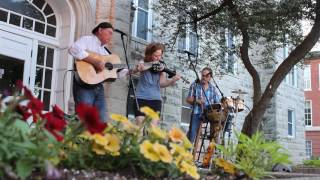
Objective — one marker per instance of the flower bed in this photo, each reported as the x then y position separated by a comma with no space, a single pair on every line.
83,142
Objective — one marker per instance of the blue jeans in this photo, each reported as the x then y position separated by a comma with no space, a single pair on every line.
194,125
93,96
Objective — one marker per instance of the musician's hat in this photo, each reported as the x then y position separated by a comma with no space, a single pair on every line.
102,25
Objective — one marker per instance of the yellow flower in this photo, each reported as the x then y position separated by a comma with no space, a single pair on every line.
113,143
150,112
227,166
86,135
189,169
146,149
98,149
156,131
177,149
99,139
163,152
176,135
186,143
119,118
130,128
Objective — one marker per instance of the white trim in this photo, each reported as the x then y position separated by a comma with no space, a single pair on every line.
308,148
134,24
312,128
293,123
308,100
307,67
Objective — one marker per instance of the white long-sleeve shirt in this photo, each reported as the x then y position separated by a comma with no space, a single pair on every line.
87,43
90,43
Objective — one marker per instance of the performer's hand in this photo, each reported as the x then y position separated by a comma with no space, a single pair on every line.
99,66
200,101
140,67
177,77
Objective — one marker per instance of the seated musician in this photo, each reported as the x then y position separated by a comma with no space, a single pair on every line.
199,102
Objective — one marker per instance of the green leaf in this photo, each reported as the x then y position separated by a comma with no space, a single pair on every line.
24,168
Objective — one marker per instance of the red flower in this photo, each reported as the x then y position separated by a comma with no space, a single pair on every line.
55,122
19,85
23,110
36,106
57,112
90,117
28,93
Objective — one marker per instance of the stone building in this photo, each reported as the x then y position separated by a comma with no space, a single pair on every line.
35,36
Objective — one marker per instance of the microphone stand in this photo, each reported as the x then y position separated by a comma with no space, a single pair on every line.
131,84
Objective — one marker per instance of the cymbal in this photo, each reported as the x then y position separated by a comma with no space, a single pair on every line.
239,91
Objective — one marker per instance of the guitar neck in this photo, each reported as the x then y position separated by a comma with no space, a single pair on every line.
118,66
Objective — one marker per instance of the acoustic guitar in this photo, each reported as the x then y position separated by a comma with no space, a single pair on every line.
87,74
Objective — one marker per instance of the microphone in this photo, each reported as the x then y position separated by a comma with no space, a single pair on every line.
120,32
189,53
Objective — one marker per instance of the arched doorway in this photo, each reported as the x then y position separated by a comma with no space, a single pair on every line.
34,36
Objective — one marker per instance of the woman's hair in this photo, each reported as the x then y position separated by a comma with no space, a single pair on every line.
150,49
208,69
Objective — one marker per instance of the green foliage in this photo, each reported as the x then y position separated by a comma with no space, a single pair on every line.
23,149
255,156
312,162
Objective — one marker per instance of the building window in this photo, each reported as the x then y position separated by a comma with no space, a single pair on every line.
228,64
307,78
291,123
292,77
142,23
186,109
188,42
308,113
309,148
44,70
36,16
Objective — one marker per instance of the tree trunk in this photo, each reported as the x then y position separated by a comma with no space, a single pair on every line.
254,118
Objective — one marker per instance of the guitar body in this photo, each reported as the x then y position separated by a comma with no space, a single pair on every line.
88,74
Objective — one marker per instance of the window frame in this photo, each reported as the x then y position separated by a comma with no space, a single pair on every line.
308,148
292,123
185,92
310,101
307,67
135,21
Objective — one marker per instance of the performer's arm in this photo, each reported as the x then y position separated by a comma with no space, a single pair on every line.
164,82
78,51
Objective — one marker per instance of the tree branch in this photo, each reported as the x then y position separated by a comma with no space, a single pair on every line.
244,50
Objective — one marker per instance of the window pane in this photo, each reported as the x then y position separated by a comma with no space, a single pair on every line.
39,3
48,10
46,100
52,20
143,4
22,7
51,31
38,93
185,115
3,16
290,129
50,53
39,76
39,27
193,44
48,78
27,23
40,56
142,24
15,19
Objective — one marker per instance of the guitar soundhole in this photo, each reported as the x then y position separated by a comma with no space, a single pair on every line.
109,66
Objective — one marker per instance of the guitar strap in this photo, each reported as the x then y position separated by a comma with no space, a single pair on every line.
118,70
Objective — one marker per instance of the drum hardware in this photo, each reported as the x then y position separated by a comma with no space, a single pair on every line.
239,91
